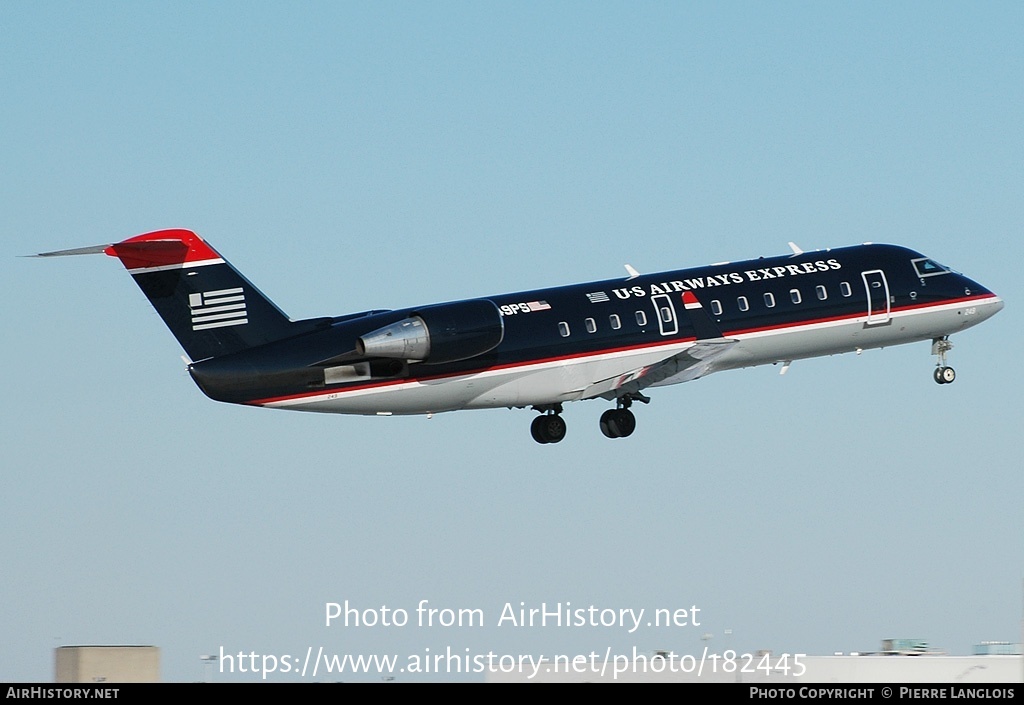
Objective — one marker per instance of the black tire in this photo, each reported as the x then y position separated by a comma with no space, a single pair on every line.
625,422
948,375
606,424
554,428
537,430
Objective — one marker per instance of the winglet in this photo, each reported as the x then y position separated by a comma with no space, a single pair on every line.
633,274
703,325
796,250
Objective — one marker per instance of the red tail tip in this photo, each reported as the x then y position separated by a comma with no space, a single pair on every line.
162,248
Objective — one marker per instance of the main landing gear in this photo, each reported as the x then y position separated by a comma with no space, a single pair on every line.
620,421
549,427
943,374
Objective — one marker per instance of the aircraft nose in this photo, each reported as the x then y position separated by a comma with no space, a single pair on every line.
973,288
997,305
988,302
983,302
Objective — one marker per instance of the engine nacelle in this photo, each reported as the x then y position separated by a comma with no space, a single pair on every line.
437,334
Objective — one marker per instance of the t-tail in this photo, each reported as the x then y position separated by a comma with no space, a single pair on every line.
209,306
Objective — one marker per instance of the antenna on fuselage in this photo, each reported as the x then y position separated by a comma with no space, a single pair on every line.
633,274
796,250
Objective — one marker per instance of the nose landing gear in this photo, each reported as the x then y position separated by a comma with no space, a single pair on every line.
942,374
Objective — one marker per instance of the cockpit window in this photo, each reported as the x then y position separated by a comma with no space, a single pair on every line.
928,267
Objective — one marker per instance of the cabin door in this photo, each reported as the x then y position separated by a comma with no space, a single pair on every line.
877,289
668,324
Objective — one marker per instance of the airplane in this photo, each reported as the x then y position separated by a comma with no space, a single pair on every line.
540,349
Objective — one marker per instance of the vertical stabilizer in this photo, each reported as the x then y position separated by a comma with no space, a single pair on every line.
210,308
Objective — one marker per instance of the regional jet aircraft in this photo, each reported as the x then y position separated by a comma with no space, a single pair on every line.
540,349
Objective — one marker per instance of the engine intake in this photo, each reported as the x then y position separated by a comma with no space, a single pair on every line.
438,334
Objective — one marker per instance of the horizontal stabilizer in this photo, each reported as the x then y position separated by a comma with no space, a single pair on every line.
154,251
94,250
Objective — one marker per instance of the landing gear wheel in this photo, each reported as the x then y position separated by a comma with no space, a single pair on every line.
606,424
548,428
555,428
537,430
625,422
618,423
942,374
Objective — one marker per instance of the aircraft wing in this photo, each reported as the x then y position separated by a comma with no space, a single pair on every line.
688,365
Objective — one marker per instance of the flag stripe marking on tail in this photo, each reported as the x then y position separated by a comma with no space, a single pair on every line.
218,308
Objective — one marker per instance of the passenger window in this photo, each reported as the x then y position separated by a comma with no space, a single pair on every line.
716,307
641,318
844,289
563,329
794,296
769,300
614,320
822,292
591,325
666,314
743,303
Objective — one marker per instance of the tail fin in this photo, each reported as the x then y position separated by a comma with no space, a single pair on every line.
210,308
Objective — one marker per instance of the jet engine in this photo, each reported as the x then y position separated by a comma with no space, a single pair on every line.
438,334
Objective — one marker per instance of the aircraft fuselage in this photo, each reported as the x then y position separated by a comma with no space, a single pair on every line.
557,343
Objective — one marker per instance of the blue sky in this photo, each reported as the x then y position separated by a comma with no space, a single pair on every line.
355,156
